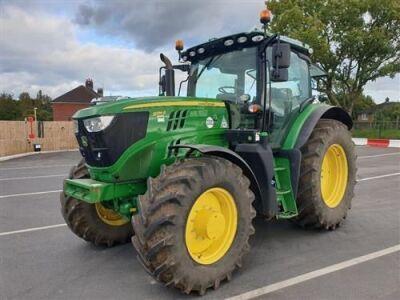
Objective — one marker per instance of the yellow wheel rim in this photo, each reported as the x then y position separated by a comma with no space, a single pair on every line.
334,173
110,216
211,226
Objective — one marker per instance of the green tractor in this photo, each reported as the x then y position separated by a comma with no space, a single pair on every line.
184,177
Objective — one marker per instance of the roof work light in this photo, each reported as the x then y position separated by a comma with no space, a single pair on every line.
265,16
179,45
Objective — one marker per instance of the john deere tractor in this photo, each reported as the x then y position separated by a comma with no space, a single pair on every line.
185,176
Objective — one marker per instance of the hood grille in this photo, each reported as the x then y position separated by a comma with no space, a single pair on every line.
177,120
103,148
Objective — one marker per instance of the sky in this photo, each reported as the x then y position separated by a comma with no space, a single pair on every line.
54,45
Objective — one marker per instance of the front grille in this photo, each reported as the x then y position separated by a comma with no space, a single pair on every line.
103,148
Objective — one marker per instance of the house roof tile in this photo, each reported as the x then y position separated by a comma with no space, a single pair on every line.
80,94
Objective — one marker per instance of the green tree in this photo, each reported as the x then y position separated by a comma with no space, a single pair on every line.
9,109
19,109
391,113
361,103
25,104
43,105
354,41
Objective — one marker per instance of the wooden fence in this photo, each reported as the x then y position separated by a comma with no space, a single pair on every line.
14,137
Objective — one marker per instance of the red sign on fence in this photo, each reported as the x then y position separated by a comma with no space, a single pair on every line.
30,119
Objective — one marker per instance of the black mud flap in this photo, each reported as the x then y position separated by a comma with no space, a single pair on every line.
261,160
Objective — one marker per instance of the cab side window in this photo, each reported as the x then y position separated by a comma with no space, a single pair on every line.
288,95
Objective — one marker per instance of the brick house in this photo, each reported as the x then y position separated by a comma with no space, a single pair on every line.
80,97
369,115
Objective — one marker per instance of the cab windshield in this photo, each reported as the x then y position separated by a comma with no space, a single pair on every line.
230,76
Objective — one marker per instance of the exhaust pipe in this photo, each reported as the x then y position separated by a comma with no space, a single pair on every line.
169,76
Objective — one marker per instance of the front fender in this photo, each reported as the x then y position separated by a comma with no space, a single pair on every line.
228,155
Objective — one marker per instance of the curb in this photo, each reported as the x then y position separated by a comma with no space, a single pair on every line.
383,143
4,158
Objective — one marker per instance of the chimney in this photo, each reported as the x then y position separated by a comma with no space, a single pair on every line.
100,92
89,83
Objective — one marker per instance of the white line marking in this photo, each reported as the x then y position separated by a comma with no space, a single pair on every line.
35,167
377,177
32,229
32,177
58,191
379,155
314,274
27,194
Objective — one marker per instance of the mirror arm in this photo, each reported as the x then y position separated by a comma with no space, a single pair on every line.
180,84
266,43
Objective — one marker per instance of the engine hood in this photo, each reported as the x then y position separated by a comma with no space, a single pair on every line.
144,104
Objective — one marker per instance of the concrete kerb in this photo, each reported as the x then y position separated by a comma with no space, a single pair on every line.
4,158
385,143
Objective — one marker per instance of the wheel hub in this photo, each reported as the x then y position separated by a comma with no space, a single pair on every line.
215,226
334,175
109,216
211,226
208,224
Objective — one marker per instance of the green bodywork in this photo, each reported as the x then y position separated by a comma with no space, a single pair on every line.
120,184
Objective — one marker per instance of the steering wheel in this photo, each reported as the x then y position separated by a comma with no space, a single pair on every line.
223,89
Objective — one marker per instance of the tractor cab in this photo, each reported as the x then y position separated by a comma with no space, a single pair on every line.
264,79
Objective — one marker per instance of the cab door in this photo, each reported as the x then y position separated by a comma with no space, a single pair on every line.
288,96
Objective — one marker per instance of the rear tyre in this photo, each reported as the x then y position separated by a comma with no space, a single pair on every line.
94,223
194,223
327,176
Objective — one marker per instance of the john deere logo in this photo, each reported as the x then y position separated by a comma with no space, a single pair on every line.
210,122
84,141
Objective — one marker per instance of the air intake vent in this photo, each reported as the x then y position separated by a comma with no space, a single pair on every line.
173,151
176,120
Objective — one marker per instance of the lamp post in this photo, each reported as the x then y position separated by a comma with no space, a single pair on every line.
36,123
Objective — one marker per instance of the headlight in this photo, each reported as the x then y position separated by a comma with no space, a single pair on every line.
98,123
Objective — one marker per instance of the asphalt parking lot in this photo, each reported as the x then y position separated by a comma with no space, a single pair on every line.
41,259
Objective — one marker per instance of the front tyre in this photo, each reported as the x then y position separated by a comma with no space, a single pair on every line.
327,176
95,223
194,223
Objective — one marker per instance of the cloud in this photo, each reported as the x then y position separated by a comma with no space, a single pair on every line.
384,87
153,24
40,51
40,48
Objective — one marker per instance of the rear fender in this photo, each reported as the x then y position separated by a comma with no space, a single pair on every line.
299,136
322,112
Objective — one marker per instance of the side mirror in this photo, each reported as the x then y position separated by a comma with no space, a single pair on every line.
280,55
280,62
279,75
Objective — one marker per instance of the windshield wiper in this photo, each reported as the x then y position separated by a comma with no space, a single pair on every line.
214,58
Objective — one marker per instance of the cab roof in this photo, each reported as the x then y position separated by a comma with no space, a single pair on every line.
237,41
